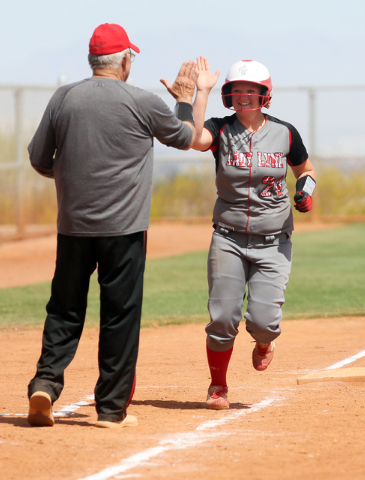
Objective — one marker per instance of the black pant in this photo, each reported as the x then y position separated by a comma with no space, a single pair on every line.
120,261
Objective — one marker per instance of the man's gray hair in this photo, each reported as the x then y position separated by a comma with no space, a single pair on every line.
100,62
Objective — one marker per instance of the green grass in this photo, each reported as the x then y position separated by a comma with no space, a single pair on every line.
328,274
327,280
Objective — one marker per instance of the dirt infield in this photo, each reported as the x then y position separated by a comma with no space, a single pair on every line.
33,260
275,429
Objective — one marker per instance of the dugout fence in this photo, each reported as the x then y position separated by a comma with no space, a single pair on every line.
329,118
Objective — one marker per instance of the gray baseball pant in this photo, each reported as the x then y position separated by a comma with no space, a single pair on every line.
263,263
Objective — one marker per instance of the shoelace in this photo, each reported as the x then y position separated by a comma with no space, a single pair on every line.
263,349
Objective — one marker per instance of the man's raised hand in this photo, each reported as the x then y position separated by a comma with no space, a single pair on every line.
183,87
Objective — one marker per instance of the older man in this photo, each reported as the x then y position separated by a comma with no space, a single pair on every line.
96,140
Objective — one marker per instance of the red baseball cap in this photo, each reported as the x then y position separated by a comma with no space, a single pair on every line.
110,38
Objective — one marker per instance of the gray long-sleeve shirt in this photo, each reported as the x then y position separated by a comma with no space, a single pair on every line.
96,140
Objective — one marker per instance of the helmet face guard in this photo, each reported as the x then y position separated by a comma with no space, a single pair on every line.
247,71
264,101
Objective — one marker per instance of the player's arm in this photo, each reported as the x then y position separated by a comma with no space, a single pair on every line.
205,83
306,182
306,168
183,90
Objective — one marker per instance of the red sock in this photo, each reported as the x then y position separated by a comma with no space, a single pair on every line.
218,365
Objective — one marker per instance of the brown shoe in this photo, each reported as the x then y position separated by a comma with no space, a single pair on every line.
40,410
129,421
262,355
217,398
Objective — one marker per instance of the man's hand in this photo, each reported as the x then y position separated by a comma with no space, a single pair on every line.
206,79
183,87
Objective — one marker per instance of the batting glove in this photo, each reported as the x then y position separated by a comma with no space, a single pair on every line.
303,201
304,187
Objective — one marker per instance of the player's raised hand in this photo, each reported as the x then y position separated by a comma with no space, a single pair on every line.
183,87
206,80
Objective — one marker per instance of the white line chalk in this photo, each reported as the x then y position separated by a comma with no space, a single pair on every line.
191,439
178,441
347,361
68,409
258,406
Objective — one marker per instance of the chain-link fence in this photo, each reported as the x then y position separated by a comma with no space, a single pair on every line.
330,120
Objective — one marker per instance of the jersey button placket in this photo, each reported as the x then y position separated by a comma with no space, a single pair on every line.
249,191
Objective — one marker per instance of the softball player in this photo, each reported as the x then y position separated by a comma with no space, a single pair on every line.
252,216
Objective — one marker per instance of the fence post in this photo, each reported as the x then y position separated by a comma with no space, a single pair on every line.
19,159
313,147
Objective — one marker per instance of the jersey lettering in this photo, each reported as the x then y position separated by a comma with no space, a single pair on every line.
260,162
236,159
272,184
248,157
229,160
270,160
265,159
239,159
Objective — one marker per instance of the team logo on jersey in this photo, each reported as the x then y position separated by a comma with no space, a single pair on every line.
270,160
239,159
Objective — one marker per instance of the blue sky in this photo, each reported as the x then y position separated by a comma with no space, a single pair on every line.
311,42
316,42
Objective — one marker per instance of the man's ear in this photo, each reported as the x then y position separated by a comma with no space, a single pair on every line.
124,61
125,68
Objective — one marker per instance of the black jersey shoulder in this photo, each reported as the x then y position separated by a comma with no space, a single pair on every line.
298,153
215,126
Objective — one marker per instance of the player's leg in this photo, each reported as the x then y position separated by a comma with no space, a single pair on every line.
227,271
64,323
121,262
267,281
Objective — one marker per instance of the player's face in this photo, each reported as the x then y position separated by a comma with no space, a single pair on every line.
244,96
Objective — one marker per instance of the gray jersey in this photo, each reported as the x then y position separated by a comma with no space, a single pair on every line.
251,174
96,140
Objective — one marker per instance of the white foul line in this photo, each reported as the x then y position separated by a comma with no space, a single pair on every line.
69,409
178,441
191,439
347,361
73,407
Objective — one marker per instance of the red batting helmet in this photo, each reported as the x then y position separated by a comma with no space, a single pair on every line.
248,71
